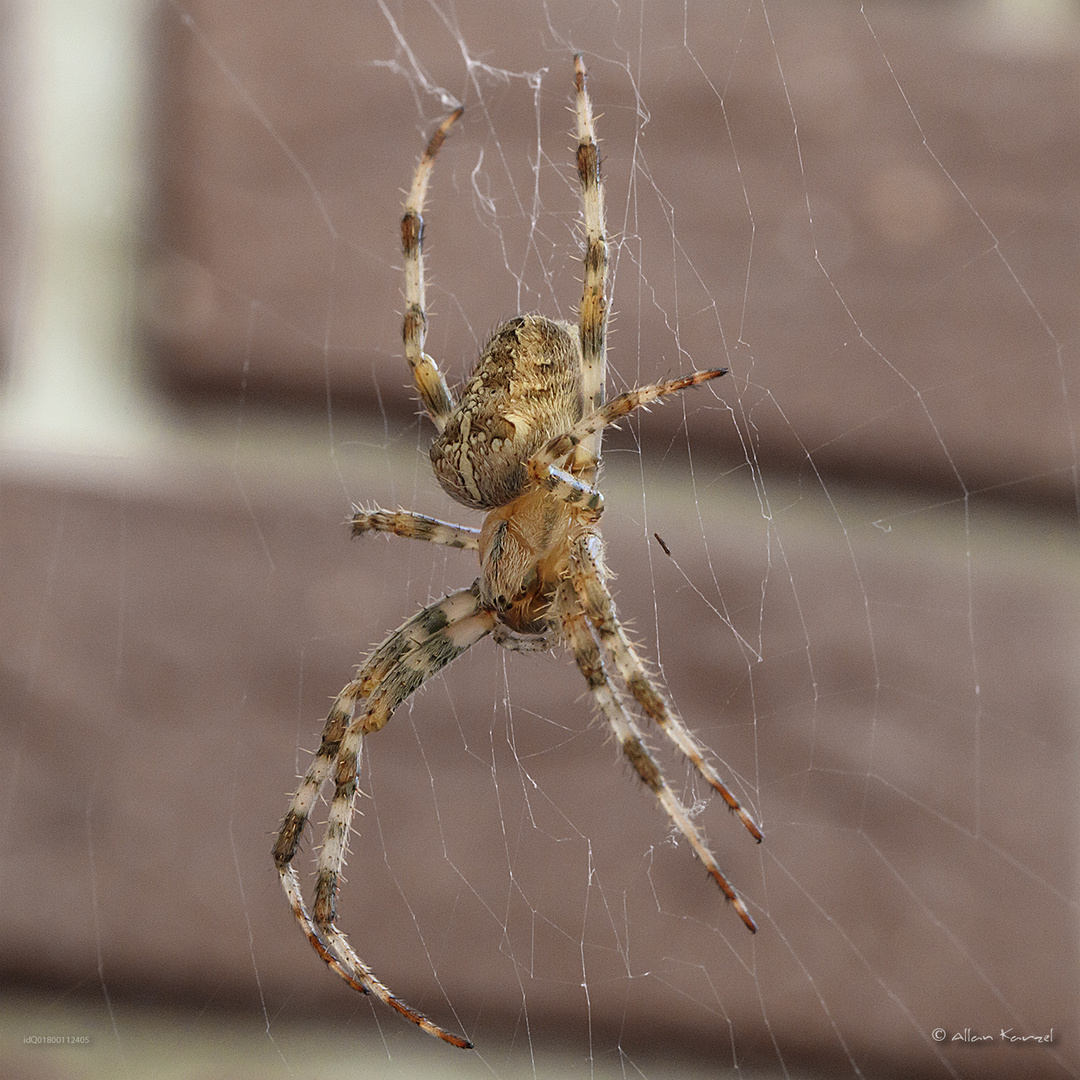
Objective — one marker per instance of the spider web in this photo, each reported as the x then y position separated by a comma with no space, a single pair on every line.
852,562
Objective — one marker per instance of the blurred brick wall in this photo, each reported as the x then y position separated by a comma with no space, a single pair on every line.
170,644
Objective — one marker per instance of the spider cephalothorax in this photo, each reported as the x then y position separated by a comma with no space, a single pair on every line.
522,443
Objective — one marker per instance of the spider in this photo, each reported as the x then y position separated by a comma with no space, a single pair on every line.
523,445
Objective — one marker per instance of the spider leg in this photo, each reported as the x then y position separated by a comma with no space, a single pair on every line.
354,971
576,439
600,611
572,446
430,383
416,651
569,488
579,636
593,315
436,622
413,526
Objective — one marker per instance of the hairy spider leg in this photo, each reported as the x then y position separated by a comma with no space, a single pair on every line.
430,382
414,526
571,487
398,648
416,651
580,637
357,974
594,308
565,486
599,609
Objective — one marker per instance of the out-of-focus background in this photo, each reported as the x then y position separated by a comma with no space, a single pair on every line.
870,609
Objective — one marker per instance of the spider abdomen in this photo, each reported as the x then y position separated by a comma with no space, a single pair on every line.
525,389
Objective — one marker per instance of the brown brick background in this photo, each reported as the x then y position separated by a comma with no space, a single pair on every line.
870,612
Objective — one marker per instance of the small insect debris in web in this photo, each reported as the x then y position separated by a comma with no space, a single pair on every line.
660,540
